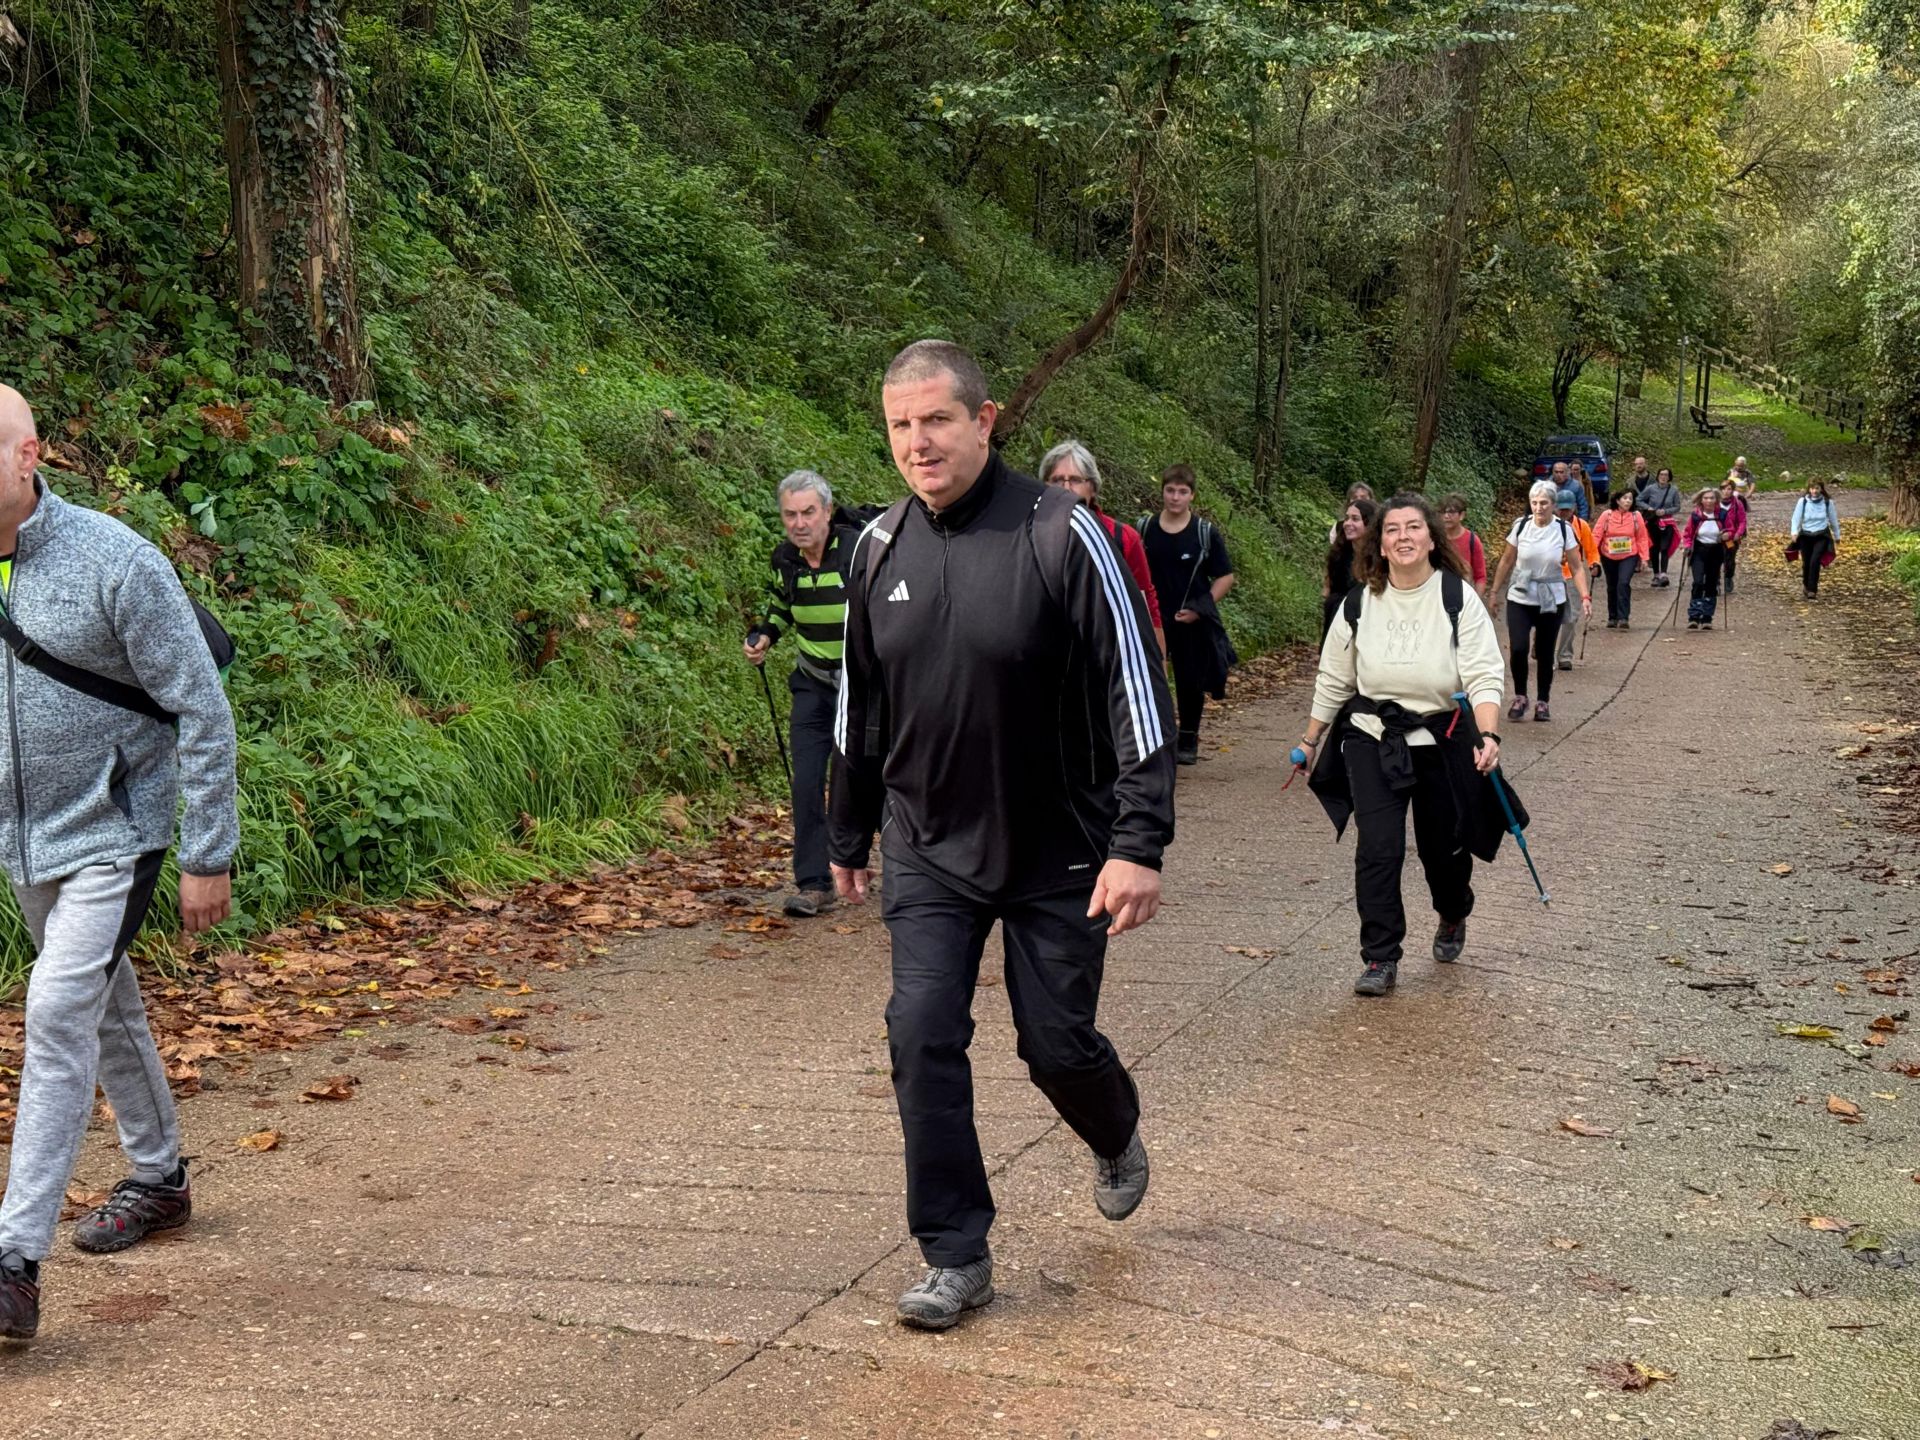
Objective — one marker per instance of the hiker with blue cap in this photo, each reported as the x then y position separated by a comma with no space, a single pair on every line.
1566,504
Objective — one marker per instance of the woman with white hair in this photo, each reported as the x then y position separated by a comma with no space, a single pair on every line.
1542,559
1071,464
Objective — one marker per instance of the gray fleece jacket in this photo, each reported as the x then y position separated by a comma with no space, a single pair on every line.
87,782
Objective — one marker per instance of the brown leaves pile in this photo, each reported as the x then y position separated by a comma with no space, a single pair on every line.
356,969
1629,1374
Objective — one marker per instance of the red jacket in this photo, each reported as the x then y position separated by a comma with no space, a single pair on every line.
1135,554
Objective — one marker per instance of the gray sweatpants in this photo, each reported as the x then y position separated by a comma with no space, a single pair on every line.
85,1025
1569,612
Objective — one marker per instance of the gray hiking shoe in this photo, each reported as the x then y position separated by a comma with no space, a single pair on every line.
944,1295
1449,940
806,904
1120,1184
1378,978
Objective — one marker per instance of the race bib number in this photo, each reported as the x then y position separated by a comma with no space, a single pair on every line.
1619,546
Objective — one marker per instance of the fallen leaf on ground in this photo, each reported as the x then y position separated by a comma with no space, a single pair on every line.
1783,868
1844,1108
1574,1125
1808,1032
1885,1022
1865,1240
506,1012
1252,952
79,1202
1827,1222
333,1087
1629,1374
1873,1039
260,1141
1909,1068
125,1309
1560,1242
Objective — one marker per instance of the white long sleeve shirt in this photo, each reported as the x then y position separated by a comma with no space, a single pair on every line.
1404,652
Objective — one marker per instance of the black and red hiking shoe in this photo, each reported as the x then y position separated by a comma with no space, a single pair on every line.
134,1211
19,1296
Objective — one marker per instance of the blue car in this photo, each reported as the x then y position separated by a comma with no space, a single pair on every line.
1587,450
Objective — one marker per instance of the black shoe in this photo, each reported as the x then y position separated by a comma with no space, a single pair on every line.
806,904
1449,940
1566,664
134,1211
1378,978
1693,624
19,1296
1187,750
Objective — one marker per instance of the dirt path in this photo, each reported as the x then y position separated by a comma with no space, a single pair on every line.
675,1211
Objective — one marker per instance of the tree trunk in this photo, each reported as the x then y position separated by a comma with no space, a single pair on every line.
1568,361
1287,288
1440,321
1262,306
1034,383
1896,423
418,16
284,101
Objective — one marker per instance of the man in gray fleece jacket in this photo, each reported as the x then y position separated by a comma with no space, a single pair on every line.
88,794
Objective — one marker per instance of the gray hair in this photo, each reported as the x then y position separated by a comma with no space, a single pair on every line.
1073,450
1543,487
807,480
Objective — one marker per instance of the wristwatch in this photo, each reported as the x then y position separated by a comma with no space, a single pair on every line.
1493,735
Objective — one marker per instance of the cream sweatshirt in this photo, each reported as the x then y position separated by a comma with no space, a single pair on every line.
1404,653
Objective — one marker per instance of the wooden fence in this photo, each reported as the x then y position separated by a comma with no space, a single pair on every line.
1842,411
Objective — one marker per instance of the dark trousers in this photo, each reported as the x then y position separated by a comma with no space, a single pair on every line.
1660,553
1705,599
1812,547
1055,959
1619,585
1380,851
812,737
1190,648
1727,569
1542,627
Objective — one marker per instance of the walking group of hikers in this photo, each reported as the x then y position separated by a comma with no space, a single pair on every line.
980,689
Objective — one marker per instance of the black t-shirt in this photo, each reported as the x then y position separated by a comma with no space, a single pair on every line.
1179,571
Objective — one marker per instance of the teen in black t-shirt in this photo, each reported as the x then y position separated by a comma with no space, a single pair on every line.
1191,572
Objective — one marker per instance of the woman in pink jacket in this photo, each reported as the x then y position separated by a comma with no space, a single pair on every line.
1620,534
1709,528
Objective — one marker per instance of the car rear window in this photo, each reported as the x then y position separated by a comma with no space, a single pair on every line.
1571,449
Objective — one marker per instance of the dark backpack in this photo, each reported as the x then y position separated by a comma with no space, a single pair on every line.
1453,595
102,687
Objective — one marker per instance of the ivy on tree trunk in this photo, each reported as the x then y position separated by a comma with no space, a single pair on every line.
284,104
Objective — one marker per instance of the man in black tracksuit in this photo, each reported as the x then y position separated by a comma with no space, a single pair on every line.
1004,723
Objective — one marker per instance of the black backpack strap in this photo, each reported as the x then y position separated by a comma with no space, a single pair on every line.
1453,595
100,687
1350,607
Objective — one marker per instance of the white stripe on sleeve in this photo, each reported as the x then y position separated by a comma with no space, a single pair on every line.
1148,736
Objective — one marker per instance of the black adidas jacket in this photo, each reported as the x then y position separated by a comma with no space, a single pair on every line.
1004,712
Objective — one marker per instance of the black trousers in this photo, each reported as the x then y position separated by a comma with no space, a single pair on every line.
1660,554
1380,852
1619,575
1726,571
1190,648
1812,547
1705,599
812,738
1543,627
1055,960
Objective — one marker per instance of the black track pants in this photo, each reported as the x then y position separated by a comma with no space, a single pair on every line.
1380,853
1055,957
812,732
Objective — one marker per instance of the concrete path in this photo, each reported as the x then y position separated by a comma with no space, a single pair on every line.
675,1213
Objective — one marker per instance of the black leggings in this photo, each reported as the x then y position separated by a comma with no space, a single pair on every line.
1812,547
1707,560
1543,626
1658,556
1620,585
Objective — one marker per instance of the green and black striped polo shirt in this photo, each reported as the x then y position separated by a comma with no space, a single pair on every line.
811,603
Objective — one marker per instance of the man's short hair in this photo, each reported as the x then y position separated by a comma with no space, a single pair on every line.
800,480
1073,450
1453,502
1178,473
924,359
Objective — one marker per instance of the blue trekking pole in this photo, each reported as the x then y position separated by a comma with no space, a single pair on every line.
1500,789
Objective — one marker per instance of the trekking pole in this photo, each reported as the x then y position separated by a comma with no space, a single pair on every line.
773,713
1500,789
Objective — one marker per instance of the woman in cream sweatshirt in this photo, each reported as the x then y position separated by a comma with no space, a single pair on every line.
1385,696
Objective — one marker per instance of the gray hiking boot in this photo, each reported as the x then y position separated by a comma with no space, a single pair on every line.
806,904
944,1295
1120,1184
1378,978
1449,940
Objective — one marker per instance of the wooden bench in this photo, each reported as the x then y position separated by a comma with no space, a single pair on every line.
1704,425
